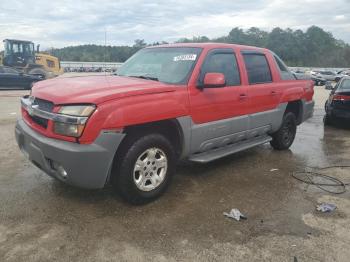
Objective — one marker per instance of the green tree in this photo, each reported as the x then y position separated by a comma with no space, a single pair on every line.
314,47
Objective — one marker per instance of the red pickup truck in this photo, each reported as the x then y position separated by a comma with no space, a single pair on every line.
198,102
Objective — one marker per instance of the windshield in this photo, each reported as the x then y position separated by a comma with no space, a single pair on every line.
327,73
19,48
171,65
345,85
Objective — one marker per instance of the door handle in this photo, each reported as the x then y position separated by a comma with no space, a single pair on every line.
242,96
273,93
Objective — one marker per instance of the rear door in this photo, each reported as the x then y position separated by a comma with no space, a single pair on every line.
263,93
218,112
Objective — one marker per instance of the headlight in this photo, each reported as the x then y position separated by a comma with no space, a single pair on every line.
74,130
78,110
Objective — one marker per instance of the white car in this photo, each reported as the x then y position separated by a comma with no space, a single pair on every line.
327,75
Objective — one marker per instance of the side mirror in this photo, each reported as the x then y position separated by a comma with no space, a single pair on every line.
213,80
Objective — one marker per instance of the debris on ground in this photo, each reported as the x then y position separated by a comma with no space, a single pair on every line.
235,214
323,181
326,207
273,169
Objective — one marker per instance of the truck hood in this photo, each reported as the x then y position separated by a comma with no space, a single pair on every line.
95,89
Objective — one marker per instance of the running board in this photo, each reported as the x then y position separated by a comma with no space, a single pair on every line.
214,154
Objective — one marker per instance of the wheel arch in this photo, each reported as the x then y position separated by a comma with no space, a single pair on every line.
172,129
296,107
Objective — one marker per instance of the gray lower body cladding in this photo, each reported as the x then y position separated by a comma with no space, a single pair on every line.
307,109
232,132
87,166
220,133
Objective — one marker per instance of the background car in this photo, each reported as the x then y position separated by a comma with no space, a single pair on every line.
328,75
341,74
338,104
11,78
344,72
313,75
318,80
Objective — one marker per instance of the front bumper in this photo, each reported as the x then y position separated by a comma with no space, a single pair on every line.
87,166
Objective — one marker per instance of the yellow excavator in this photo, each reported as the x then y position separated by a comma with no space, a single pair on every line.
22,55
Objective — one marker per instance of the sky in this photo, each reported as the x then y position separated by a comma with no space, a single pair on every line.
61,23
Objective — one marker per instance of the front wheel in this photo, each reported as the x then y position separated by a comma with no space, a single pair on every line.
284,137
144,167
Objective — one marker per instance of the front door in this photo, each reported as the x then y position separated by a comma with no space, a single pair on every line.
219,114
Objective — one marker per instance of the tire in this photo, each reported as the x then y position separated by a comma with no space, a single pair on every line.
283,138
148,180
327,120
38,71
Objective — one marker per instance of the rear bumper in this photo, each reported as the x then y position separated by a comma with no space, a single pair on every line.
339,113
86,166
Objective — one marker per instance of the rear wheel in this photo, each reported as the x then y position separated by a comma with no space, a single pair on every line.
143,168
284,137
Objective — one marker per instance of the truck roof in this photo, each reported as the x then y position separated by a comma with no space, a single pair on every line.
212,45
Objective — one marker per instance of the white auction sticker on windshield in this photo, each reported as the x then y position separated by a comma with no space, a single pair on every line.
188,57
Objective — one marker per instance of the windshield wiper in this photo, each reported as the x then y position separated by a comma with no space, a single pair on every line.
146,77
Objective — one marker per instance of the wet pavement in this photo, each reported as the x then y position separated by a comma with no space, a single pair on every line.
42,219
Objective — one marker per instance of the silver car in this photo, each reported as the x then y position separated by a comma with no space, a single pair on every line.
328,75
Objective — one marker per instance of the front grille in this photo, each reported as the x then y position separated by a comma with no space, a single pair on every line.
45,106
40,121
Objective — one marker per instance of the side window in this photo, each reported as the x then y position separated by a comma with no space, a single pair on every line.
224,63
257,68
280,65
284,71
50,63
